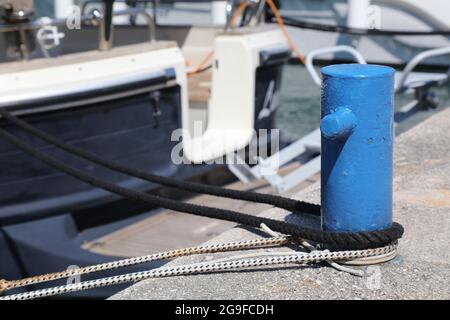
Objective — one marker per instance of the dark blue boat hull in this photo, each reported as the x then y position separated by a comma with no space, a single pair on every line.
40,207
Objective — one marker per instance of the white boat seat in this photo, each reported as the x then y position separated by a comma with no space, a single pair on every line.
214,144
199,86
231,109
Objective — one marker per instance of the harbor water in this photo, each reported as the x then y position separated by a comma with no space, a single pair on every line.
299,112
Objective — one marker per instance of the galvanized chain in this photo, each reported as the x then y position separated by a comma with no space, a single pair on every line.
201,268
221,247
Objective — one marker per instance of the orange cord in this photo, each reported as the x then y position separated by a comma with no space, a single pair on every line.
202,63
280,22
208,57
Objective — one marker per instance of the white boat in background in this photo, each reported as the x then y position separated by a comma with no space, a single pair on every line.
383,31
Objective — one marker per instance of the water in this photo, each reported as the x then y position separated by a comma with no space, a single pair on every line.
299,112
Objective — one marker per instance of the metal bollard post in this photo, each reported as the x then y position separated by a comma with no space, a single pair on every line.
357,145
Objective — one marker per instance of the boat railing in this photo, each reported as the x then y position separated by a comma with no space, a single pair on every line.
414,62
403,77
257,7
309,62
106,44
94,18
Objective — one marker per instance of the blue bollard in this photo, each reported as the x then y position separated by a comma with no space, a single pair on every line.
357,144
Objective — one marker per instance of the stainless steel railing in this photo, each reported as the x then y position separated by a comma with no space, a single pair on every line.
95,18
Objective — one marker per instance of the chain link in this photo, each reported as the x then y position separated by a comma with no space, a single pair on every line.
201,268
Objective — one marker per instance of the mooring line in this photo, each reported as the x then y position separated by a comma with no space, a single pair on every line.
359,245
113,265
274,200
341,240
204,268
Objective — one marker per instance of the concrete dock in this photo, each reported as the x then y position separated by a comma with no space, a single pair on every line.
421,271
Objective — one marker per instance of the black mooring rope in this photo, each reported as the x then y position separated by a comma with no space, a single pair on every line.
302,24
343,240
277,201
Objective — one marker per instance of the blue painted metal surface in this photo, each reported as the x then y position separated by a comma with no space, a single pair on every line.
357,145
